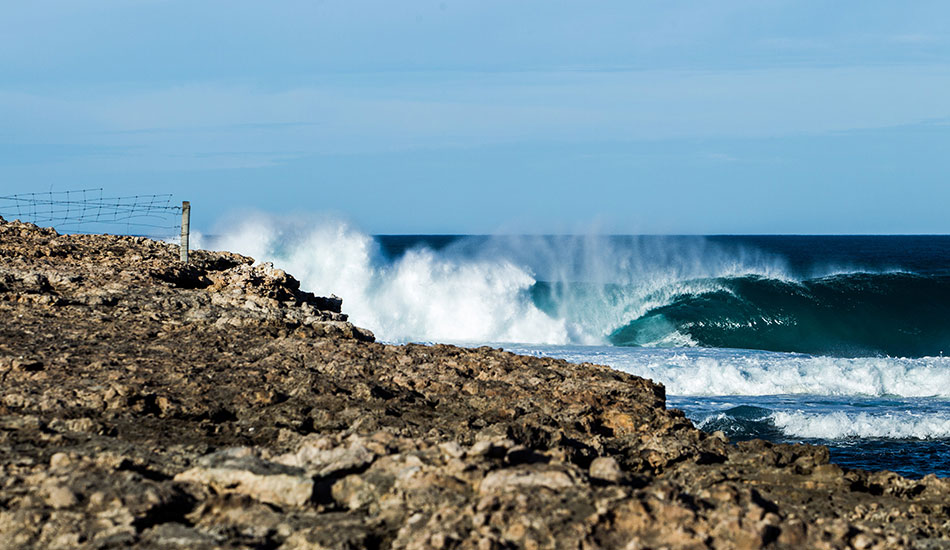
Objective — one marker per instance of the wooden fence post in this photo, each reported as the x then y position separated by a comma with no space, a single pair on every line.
185,229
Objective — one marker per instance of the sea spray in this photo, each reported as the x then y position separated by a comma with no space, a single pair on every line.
422,295
646,291
530,289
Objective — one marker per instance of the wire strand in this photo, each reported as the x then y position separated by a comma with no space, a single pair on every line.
75,208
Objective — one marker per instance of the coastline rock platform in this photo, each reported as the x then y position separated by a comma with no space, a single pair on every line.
146,403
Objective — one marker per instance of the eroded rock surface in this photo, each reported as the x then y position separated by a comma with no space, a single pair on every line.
152,404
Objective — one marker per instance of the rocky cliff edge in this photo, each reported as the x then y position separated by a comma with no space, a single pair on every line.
151,404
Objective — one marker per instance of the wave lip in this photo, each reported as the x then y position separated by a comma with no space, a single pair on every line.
742,422
855,314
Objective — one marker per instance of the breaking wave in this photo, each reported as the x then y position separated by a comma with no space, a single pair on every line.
621,291
423,295
854,314
748,422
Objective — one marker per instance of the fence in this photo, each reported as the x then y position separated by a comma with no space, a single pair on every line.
87,210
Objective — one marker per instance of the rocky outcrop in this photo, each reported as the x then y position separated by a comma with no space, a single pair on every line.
152,404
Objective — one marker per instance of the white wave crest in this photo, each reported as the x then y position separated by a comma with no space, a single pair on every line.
698,372
840,425
774,374
421,296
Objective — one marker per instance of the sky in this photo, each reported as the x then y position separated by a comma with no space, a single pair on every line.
487,116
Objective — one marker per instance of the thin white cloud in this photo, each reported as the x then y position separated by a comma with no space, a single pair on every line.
208,122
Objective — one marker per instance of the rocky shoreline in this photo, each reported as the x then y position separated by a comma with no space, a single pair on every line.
146,403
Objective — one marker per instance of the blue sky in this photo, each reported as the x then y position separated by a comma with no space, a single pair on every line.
486,116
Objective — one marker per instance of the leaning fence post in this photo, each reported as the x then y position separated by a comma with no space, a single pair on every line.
185,229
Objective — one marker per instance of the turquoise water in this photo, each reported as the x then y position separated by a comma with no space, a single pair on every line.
841,296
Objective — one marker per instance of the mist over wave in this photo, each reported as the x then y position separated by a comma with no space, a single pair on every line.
647,291
423,295
529,289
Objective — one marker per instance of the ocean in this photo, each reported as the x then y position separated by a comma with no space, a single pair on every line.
831,340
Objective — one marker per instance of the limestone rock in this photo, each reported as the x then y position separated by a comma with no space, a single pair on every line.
605,468
520,479
320,459
240,471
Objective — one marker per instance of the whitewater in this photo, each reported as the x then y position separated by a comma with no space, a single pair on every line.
831,340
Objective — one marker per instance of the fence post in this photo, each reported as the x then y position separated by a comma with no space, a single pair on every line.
185,229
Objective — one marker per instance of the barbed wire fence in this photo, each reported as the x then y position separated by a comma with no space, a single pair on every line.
89,211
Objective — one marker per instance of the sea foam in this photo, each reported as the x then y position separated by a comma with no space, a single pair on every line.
421,296
709,372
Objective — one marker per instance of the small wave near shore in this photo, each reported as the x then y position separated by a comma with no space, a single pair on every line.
711,372
746,422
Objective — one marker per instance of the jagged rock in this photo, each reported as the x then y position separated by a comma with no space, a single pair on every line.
177,535
335,533
320,459
58,496
520,479
241,471
605,468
